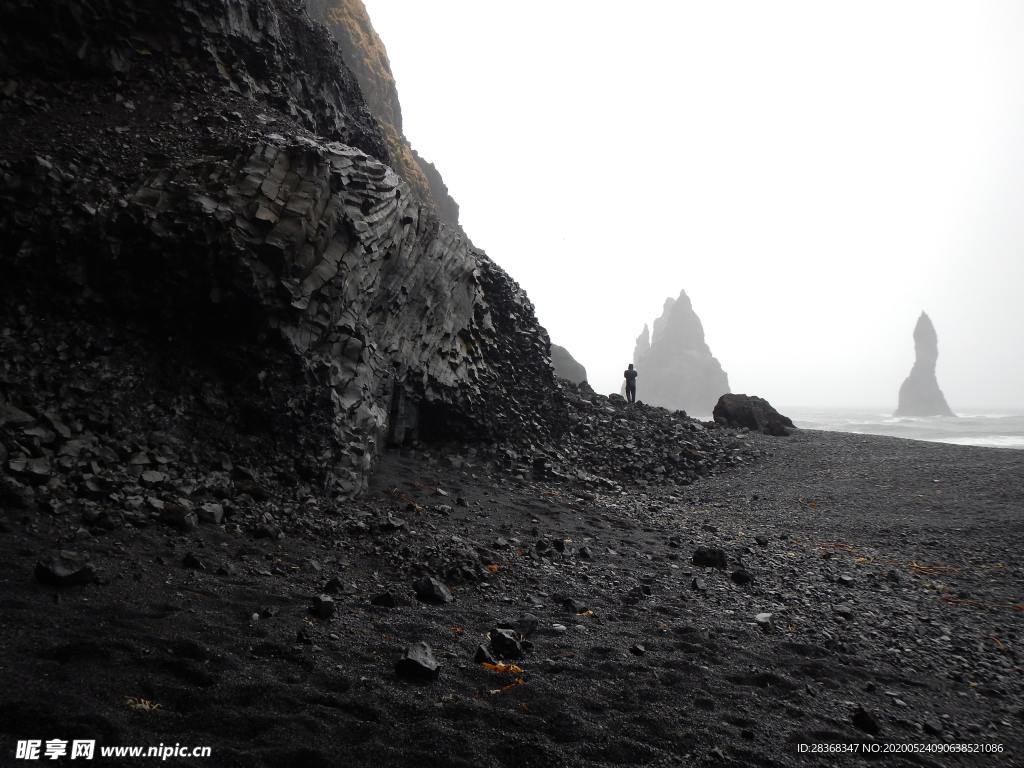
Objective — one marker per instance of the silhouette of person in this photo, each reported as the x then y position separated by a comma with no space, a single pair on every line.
630,375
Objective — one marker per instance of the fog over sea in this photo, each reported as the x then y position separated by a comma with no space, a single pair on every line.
989,428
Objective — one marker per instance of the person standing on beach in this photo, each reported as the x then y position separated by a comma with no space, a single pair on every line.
630,375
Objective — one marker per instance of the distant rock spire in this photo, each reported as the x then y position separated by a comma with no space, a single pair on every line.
676,367
920,394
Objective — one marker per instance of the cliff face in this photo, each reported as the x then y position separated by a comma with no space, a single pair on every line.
675,365
920,394
207,171
364,54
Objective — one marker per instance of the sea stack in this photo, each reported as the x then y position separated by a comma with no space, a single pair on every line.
920,394
676,367
566,366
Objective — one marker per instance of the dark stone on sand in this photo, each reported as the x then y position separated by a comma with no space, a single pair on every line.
754,413
178,517
192,561
506,643
920,394
385,600
698,585
418,664
637,650
865,721
761,540
526,625
430,590
709,557
843,611
211,513
572,605
483,655
932,727
333,586
323,606
742,577
65,569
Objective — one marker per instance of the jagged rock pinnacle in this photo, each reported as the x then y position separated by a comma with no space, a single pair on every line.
677,369
920,394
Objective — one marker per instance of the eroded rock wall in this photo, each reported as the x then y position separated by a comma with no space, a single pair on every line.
217,176
367,58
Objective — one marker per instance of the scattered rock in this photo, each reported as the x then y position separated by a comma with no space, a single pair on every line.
506,643
709,557
65,569
385,600
865,721
742,577
323,607
430,590
211,513
418,664
179,517
192,561
483,655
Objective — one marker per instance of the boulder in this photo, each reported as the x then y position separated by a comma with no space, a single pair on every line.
754,413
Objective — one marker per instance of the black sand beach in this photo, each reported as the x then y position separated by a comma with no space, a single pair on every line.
890,568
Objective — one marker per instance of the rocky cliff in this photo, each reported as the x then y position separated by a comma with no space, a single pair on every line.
206,174
920,394
365,56
675,365
566,366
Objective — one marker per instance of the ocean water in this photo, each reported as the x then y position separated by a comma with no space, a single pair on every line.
993,429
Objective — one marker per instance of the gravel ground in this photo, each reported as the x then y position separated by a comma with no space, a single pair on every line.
889,568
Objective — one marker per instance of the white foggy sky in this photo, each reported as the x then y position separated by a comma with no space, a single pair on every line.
813,174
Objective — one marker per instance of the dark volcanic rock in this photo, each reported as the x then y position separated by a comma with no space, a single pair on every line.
364,54
754,413
920,394
865,721
347,313
65,569
506,643
323,606
566,366
418,664
709,557
430,590
675,365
